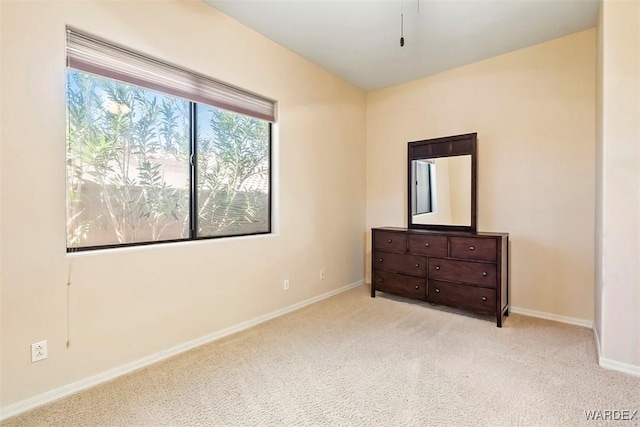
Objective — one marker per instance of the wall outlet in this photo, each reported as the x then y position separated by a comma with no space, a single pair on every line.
286,285
322,275
39,351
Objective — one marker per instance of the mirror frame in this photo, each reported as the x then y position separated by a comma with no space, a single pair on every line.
449,146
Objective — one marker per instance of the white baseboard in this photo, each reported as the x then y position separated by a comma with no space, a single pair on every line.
86,383
626,368
550,316
605,363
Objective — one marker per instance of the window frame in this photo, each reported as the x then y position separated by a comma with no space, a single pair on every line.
192,160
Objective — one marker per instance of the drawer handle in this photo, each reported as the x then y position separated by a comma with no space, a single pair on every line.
484,273
484,298
437,267
437,290
380,260
427,244
389,240
380,280
417,265
417,287
472,248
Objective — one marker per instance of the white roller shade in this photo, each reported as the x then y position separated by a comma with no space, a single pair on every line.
92,55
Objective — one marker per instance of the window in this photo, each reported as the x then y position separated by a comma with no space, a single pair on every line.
157,154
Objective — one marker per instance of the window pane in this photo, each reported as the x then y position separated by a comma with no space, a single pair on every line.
127,163
233,173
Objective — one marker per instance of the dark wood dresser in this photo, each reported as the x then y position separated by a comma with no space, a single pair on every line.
461,270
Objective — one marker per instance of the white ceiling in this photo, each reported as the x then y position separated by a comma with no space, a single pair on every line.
359,40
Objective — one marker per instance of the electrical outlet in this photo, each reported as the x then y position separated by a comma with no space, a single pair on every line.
322,275
38,351
286,285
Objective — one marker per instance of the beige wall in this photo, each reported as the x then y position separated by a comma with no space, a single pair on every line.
534,112
597,303
618,192
1,205
130,303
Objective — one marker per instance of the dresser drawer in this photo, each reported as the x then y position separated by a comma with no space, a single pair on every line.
428,245
481,300
400,263
398,284
390,241
478,273
474,248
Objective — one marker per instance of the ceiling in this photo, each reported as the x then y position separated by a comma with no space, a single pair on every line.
359,40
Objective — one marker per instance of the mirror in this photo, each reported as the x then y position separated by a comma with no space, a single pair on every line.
442,181
442,190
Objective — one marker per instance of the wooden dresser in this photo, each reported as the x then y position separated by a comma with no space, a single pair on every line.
461,270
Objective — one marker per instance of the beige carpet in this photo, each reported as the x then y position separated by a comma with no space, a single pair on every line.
354,360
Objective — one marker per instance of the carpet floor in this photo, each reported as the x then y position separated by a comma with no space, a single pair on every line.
357,361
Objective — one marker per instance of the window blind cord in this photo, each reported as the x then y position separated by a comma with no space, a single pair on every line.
69,303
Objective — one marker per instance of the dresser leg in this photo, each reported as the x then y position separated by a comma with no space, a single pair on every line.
373,292
499,320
